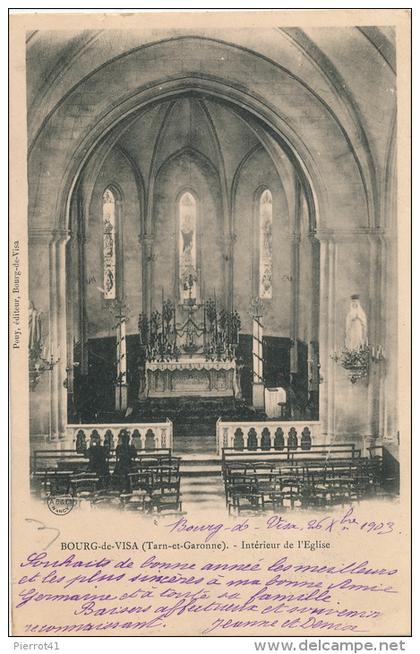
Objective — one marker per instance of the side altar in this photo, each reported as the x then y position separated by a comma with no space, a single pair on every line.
195,356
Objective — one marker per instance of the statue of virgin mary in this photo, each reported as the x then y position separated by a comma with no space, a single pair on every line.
35,333
356,326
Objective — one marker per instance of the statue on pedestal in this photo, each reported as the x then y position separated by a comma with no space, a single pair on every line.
356,326
35,333
356,355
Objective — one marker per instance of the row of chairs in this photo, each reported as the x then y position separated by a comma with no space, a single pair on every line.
77,462
257,486
152,484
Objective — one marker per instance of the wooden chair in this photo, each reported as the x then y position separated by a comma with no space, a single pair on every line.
291,484
57,482
232,472
243,494
85,486
106,499
167,498
138,500
268,484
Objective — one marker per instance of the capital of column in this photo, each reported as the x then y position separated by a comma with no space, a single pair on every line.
295,238
40,235
348,235
60,236
147,241
324,235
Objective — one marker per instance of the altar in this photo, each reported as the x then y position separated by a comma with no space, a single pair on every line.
192,357
191,376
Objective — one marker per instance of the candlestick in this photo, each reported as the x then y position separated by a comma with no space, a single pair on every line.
163,320
123,352
215,312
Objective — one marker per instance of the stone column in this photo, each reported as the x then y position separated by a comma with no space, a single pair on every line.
39,293
74,332
394,396
390,391
79,221
385,396
376,324
295,240
58,334
148,258
231,254
48,292
327,333
294,300
53,340
313,327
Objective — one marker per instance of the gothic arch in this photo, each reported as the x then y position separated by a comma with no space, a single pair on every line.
184,194
192,152
301,158
202,163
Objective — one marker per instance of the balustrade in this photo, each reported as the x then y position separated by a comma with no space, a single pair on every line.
271,434
144,436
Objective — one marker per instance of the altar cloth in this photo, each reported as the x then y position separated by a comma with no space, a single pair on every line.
191,376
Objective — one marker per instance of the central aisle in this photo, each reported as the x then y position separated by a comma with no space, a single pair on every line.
202,486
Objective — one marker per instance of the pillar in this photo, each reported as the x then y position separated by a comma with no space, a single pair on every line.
58,335
327,334
294,301
148,258
39,397
376,324
48,400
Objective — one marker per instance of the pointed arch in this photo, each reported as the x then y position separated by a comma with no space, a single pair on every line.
109,243
265,244
188,246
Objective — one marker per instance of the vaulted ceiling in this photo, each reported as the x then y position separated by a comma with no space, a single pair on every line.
196,123
323,99
341,72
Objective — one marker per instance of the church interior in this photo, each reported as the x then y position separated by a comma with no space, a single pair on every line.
213,266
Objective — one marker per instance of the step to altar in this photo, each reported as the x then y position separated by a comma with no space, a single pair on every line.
202,485
186,444
193,410
202,493
200,465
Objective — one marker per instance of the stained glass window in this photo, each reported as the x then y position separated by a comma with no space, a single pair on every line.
188,277
266,245
109,243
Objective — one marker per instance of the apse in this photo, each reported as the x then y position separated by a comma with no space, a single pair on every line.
204,204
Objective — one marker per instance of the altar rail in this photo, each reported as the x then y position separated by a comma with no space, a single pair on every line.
144,436
270,434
